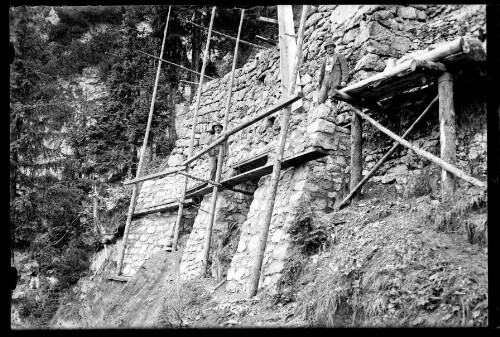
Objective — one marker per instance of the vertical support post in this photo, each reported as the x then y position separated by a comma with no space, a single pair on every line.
141,157
447,132
356,153
193,132
288,49
271,196
220,159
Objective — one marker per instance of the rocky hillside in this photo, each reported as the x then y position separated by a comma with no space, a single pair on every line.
399,256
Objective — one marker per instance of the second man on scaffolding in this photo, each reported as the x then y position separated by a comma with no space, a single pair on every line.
333,74
214,153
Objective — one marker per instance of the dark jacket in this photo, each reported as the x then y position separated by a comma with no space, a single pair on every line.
215,151
340,72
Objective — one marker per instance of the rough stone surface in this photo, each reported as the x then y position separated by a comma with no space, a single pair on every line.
232,209
298,188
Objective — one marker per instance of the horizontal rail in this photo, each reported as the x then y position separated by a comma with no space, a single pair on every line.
208,181
242,126
170,170
172,63
190,82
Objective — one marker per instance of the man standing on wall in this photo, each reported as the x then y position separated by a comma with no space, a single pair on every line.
214,153
333,73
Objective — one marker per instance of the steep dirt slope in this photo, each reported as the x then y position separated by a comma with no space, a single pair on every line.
401,262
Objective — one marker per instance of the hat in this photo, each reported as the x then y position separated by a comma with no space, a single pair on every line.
329,42
215,124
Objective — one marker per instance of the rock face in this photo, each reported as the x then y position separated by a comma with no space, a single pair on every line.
368,35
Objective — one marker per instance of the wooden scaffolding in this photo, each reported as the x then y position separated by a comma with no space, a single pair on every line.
376,92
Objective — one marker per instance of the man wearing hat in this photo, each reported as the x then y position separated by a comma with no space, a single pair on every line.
333,73
214,152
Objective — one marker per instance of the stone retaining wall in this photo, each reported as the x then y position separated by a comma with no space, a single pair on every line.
149,234
316,185
231,210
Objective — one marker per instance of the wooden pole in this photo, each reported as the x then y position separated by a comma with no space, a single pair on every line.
169,170
229,37
141,157
436,160
172,63
273,42
220,159
356,153
255,276
384,158
447,132
193,131
208,181
419,64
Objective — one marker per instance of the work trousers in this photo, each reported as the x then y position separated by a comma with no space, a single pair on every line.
212,160
324,92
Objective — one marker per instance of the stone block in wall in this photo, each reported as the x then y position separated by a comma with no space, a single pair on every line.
373,30
407,12
370,62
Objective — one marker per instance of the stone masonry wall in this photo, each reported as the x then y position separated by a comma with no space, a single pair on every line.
317,184
149,234
232,209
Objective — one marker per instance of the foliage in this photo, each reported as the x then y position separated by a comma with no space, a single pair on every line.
62,144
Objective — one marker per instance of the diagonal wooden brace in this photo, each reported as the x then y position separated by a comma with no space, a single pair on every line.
436,160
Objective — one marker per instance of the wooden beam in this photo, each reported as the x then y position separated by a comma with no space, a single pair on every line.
244,125
273,42
168,170
268,20
447,133
436,54
356,152
436,160
208,181
141,157
384,158
288,49
172,63
229,37
193,130
273,21
171,204
273,186
428,65
234,189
